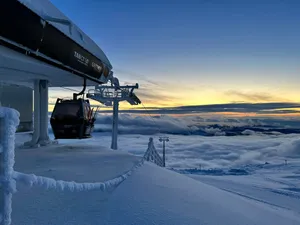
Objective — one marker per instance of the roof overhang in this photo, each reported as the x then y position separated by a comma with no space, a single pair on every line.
35,44
17,68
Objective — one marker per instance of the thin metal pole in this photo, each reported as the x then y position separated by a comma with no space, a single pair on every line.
164,140
114,142
164,153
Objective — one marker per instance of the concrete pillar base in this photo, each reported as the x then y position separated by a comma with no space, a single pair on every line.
40,135
39,144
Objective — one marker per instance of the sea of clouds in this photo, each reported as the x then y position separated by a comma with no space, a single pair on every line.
197,125
217,151
209,152
198,142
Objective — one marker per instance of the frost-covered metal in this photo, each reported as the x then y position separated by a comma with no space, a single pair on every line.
106,95
164,140
9,120
60,185
112,95
152,155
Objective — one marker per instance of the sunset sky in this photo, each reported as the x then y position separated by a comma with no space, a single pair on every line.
196,52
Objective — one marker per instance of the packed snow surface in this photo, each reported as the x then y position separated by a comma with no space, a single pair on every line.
151,195
165,197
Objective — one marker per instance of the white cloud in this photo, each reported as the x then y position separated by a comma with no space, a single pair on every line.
133,124
218,152
214,131
190,151
248,132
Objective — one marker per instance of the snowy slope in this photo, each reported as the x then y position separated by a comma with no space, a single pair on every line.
46,8
278,185
151,195
157,196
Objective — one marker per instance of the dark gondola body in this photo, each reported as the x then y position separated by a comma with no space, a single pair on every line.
23,30
72,119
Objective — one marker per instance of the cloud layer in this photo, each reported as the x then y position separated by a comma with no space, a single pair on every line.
197,125
205,142
258,108
211,152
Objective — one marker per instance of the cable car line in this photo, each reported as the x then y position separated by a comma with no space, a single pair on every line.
68,125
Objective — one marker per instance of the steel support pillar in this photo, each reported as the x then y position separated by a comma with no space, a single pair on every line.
112,96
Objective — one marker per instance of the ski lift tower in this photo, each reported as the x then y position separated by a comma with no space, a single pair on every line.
111,96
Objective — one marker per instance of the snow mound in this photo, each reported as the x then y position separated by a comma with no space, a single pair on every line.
157,196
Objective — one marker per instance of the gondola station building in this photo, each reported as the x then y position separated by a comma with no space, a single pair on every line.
41,48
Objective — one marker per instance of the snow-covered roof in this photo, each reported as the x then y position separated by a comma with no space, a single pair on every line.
45,8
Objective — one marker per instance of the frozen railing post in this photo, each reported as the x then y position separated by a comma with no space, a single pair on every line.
9,120
1,168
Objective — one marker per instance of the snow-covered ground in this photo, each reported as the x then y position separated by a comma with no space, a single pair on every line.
275,185
69,162
268,194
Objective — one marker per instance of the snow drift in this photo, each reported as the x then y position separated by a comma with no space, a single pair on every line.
165,197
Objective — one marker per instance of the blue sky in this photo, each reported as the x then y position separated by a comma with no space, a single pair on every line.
198,52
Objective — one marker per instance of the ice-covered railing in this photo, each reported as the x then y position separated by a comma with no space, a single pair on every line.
60,185
9,120
152,155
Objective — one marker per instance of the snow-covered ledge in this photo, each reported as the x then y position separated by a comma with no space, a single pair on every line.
9,120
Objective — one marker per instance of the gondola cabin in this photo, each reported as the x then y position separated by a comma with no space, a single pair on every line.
72,119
